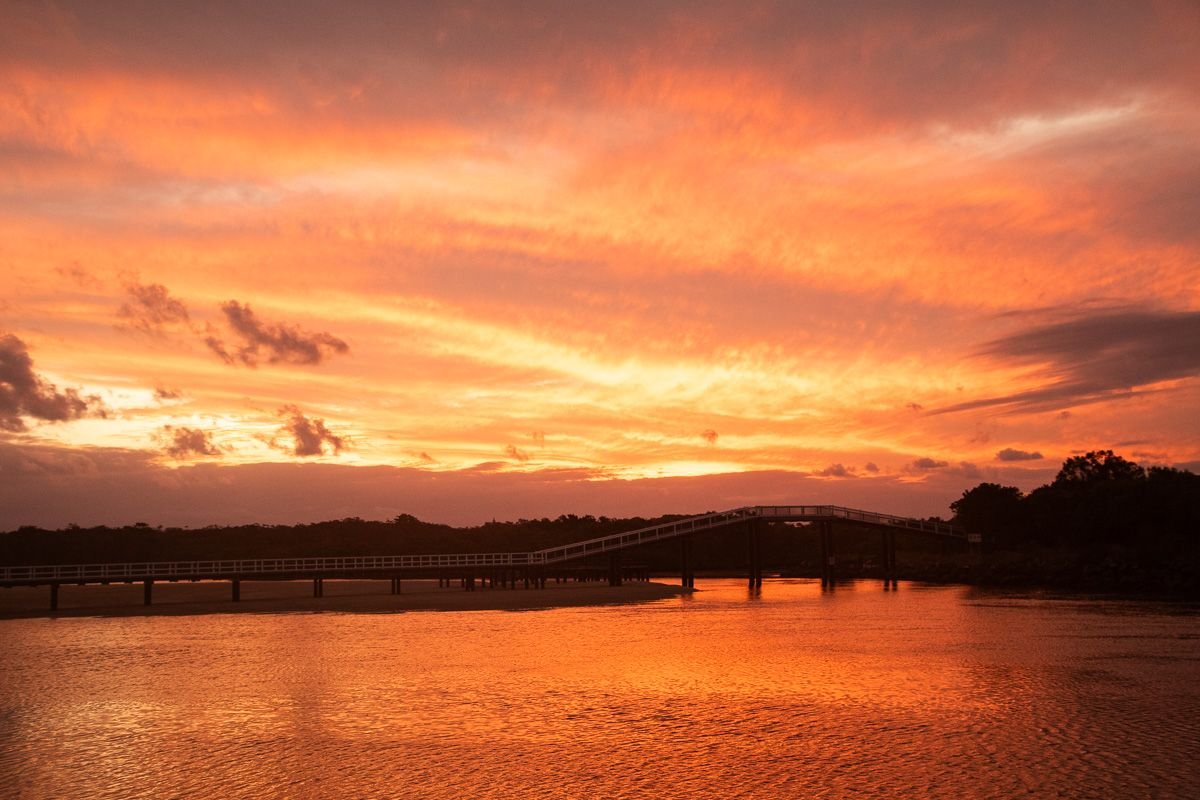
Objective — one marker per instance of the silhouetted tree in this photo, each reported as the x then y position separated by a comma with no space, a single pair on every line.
993,510
1098,465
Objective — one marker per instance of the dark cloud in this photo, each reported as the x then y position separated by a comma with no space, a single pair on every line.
709,436
151,309
871,467
23,393
162,394
1009,454
1097,357
182,442
277,343
836,471
513,452
309,436
927,465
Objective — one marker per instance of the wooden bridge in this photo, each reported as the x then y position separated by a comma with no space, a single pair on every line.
506,569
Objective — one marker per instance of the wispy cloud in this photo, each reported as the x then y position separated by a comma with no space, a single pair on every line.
274,342
926,464
181,442
151,309
1093,358
1010,454
309,436
515,453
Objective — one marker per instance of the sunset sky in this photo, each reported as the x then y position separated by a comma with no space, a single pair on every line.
288,261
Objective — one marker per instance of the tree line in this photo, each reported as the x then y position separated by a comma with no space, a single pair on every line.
1098,501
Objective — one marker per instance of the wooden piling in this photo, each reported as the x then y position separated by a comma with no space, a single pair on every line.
687,577
614,568
754,550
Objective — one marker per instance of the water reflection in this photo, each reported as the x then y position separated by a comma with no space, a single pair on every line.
792,690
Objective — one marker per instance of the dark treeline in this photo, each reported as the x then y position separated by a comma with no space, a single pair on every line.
1096,499
786,548
1102,515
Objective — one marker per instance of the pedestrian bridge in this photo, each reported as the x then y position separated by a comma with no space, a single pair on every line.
507,568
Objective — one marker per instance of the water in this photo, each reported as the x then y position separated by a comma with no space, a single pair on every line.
921,692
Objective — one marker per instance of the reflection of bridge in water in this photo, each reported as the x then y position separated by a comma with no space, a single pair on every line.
500,569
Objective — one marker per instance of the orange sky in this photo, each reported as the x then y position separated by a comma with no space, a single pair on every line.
525,259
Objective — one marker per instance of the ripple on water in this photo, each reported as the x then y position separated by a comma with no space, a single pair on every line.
800,693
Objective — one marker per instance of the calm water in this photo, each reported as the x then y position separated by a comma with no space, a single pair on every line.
922,692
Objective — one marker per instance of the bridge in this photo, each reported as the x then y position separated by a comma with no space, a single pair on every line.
505,569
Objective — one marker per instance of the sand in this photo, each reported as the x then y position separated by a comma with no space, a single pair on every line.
275,597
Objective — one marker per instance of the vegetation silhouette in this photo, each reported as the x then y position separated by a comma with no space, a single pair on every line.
1102,515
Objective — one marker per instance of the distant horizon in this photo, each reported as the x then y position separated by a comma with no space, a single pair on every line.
124,494
253,494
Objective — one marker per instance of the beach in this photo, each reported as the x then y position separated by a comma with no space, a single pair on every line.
281,597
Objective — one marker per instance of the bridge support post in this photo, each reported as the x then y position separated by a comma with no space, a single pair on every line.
823,564
396,586
828,559
54,597
891,557
614,568
147,591
754,540
318,587
884,555
236,589
687,577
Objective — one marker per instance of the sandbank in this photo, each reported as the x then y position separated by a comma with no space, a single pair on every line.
295,597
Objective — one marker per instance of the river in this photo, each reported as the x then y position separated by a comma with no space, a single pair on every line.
920,692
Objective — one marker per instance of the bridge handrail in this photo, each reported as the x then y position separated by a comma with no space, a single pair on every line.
549,555
650,533
260,566
873,517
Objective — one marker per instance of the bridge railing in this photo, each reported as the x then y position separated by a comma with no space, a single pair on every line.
365,564
798,513
651,533
265,566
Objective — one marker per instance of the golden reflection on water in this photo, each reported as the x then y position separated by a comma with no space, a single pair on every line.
795,692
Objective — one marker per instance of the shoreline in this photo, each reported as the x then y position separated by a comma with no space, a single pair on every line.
295,597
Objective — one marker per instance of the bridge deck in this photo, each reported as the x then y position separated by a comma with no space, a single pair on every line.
383,566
